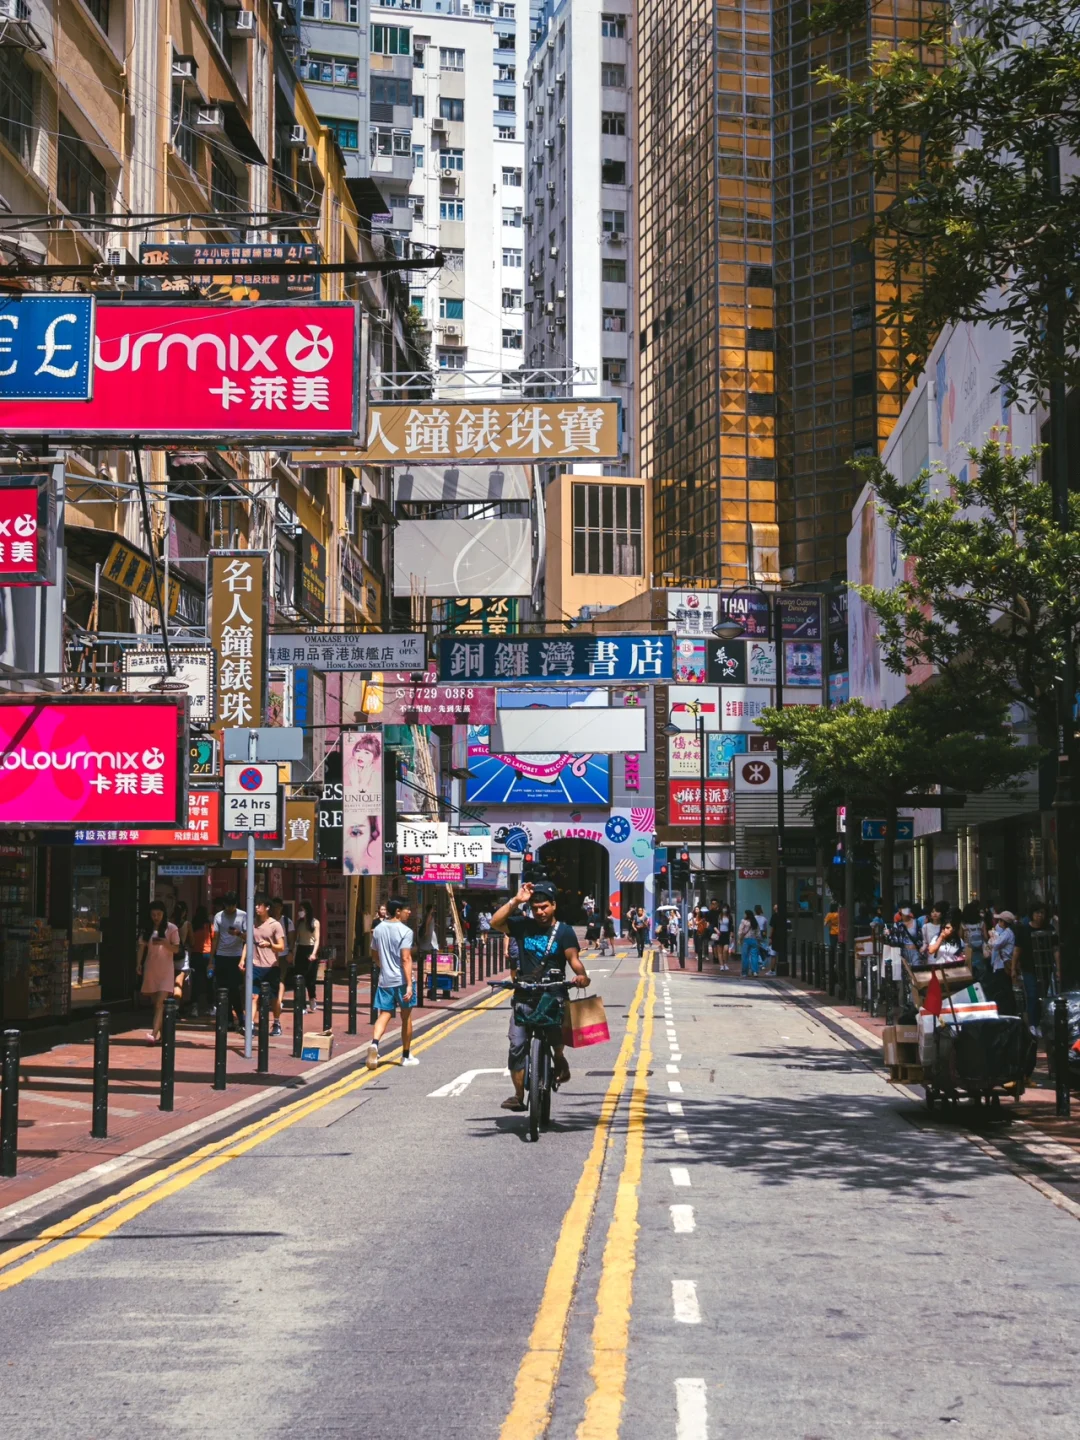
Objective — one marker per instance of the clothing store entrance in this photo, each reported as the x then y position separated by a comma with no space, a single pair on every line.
577,868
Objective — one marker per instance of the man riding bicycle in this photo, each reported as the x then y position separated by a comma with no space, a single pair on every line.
545,947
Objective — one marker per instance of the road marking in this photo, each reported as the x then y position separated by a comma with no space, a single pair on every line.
675,1087
682,1137
674,1107
691,1410
684,1302
461,1084
672,1069
679,1175
534,1388
139,1196
29,1096
676,1054
682,1218
615,1293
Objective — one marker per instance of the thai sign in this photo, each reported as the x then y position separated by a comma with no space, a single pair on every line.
27,529
45,345
577,657
92,760
215,372
505,430
236,604
349,650
202,831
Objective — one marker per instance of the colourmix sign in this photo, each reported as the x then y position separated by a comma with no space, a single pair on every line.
217,372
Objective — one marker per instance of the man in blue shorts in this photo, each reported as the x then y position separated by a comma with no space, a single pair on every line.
392,942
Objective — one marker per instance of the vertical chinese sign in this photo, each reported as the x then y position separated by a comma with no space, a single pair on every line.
27,530
362,802
236,604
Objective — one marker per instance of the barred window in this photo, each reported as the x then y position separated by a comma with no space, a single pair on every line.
16,101
608,529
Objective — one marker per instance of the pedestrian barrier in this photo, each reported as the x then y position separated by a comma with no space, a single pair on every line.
168,1055
328,999
9,1107
298,1011
262,1063
221,1037
99,1125
354,979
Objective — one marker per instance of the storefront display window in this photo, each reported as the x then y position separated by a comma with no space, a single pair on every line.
89,910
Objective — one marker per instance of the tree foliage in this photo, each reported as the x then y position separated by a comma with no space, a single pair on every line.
968,118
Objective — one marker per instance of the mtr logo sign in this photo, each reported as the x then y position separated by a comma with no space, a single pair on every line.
221,371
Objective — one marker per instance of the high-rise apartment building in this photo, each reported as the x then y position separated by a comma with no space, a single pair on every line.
579,126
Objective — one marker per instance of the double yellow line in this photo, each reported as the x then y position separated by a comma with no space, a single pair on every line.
95,1222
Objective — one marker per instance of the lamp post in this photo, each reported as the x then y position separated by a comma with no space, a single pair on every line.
671,728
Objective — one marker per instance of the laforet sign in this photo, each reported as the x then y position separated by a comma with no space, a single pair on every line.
505,430
236,605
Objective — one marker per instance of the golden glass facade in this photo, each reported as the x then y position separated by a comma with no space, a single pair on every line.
708,402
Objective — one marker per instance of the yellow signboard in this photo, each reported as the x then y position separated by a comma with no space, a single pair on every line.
507,430
127,568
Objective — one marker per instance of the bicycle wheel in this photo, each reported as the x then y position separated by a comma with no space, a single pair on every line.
545,1089
536,1083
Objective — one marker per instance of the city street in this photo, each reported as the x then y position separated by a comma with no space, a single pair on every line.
734,1227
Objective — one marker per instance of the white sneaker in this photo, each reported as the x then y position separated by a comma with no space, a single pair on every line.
373,1057
409,1060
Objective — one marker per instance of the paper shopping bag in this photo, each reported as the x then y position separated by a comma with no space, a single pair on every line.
585,1023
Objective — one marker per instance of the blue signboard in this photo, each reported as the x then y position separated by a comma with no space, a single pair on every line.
46,347
534,779
569,657
875,829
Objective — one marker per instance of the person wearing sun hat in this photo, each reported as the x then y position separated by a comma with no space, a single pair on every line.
1001,948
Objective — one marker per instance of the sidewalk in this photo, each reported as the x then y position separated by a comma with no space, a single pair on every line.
56,1083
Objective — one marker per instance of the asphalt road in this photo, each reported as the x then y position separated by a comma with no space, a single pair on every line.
795,1254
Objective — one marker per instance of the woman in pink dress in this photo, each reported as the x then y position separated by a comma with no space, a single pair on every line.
158,944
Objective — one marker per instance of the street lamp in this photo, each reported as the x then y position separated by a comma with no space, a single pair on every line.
696,709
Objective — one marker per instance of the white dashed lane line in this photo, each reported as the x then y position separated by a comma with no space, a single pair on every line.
675,1087
691,1410
684,1302
682,1219
680,1176
674,1107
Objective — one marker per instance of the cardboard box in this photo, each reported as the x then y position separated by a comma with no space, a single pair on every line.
888,1046
907,1034
317,1046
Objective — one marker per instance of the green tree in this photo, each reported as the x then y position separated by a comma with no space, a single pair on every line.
971,118
956,736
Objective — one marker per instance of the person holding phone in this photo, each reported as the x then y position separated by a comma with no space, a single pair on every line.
158,944
230,932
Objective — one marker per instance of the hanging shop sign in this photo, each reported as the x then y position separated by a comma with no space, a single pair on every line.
203,757
503,430
144,670
800,617
439,874
362,802
578,657
45,344
214,372
236,604
92,760
691,612
329,813
130,569
494,615
202,831
232,271
349,650
312,597
27,528
394,698
802,664
298,841
422,837
684,802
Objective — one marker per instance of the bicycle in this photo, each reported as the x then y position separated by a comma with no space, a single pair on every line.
540,1078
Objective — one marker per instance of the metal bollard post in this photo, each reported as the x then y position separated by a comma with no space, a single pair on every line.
262,1062
373,987
99,1128
299,1006
354,977
9,1107
328,998
168,1054
432,984
418,981
472,962
1061,1055
459,966
221,1038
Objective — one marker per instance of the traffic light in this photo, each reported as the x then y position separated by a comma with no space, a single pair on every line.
680,869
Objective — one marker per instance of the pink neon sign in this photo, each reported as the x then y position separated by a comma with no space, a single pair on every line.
70,760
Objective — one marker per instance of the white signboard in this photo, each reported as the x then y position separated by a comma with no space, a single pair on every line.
467,850
683,701
428,837
571,732
343,650
251,779
255,813
692,612
760,662
741,706
193,669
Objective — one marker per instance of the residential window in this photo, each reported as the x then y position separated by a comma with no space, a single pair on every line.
390,40
416,300
451,59
512,217
511,299
418,157
608,529
613,76
613,172
451,209
386,90
613,222
418,107
215,20
226,192
352,10
452,160
81,181
615,320
16,101
506,132
454,261
416,205
330,70
99,9
613,122
507,102
512,339
482,7
451,309
506,42
613,271
506,73
390,142
613,27
346,135
512,259
615,371
451,359
506,12
451,109
185,139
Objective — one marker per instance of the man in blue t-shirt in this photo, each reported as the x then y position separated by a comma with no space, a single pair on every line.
545,946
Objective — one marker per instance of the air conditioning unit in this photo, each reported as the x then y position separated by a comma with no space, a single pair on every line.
551,329
184,67
617,237
297,137
551,43
381,316
560,321
551,90
120,255
549,308
560,79
308,155
538,109
560,294
562,122
451,329
551,186
554,252
242,24
438,125
210,120
549,144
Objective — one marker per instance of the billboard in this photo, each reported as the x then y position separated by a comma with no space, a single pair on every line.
394,698
193,668
348,650
459,558
214,372
507,430
568,657
684,802
527,731
27,529
362,802
72,760
540,779
692,612
232,271
202,831
236,605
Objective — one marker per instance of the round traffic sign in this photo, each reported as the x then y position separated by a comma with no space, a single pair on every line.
251,779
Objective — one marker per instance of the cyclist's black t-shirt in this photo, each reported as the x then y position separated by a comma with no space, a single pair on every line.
538,950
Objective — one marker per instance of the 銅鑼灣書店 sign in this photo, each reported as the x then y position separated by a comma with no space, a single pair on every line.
579,657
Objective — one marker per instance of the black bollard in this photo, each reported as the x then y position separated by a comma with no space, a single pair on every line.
354,976
418,981
1061,1055
459,965
699,948
9,1107
433,987
262,1062
99,1129
168,1054
328,998
374,987
221,1038
472,962
299,1005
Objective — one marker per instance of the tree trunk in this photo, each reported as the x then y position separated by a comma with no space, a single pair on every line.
888,851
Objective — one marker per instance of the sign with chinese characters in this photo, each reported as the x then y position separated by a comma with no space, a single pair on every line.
202,831
727,662
577,657
760,662
216,372
192,668
299,837
27,528
312,597
496,615
345,650
684,756
684,802
503,430
394,698
236,604
437,873
232,271
45,343
802,664
92,760
362,802
691,612
740,709
800,616
690,660
259,814
750,609
130,569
